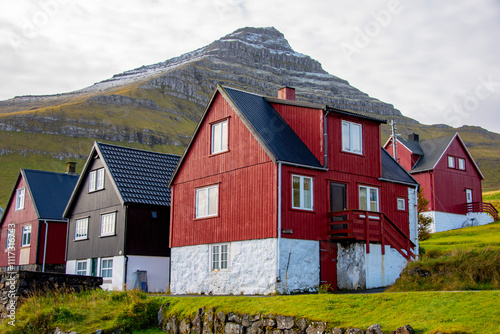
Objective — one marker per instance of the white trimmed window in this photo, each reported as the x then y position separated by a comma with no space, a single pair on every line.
461,163
302,192
108,224
220,255
219,137
451,162
352,137
81,228
81,267
107,268
96,180
20,198
26,237
401,204
207,201
368,198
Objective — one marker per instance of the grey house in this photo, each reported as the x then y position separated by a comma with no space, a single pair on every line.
119,218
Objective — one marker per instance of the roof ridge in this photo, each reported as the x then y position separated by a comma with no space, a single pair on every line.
136,149
47,172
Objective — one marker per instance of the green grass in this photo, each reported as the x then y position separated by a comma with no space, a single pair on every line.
426,312
464,259
492,197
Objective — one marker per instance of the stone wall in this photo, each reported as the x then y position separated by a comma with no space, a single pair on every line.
18,284
210,322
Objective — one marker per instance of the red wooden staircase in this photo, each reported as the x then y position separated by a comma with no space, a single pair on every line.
482,207
369,226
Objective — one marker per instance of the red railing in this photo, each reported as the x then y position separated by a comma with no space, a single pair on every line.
482,207
368,226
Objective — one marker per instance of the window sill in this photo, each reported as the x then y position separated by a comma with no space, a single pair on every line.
207,217
303,210
25,246
353,153
219,153
96,191
107,235
81,239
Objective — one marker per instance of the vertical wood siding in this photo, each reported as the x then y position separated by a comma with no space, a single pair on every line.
307,124
56,243
146,235
405,158
247,181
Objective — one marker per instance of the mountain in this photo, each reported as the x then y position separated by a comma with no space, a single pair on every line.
157,107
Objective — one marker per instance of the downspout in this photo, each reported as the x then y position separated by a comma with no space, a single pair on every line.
278,274
325,138
45,244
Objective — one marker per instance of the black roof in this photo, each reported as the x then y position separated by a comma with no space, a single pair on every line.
433,150
394,172
413,146
272,130
140,176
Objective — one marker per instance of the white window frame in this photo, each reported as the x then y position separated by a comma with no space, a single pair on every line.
96,180
368,198
107,267
219,131
468,196
401,204
219,257
81,228
208,209
108,224
461,163
302,193
82,271
451,161
26,236
349,136
20,196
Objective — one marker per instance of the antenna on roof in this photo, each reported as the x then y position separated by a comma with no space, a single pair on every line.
394,140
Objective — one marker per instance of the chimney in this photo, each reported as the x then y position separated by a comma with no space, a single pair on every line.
413,137
287,93
71,168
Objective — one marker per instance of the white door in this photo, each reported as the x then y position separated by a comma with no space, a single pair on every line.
468,194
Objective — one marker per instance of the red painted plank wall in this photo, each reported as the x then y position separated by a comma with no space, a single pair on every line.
247,186
450,184
307,123
20,218
369,162
56,243
405,157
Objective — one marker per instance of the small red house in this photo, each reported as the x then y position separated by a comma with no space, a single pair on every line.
277,195
450,178
32,229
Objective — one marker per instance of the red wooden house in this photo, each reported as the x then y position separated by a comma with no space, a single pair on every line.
277,195
450,178
33,231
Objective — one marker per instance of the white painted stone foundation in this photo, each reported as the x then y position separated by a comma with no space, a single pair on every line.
358,270
252,268
443,221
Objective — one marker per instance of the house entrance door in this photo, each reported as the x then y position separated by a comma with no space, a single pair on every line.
468,194
338,201
328,264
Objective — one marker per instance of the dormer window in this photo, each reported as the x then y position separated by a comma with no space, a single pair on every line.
352,137
219,137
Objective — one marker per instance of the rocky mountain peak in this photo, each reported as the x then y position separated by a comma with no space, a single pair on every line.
268,37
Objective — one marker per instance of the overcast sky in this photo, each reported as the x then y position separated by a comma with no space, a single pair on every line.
436,61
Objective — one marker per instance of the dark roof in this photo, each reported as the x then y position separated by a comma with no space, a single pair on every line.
49,191
140,176
394,172
272,130
413,146
433,150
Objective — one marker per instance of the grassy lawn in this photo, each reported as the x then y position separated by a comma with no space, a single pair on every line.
492,197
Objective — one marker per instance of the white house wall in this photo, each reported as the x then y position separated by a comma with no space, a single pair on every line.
157,269
413,216
252,268
443,221
383,270
351,268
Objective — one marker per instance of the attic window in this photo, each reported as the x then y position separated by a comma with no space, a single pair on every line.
352,137
20,199
461,163
154,214
451,162
96,180
219,137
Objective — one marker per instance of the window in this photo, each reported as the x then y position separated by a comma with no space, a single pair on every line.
219,257
81,267
368,198
11,239
207,201
26,238
96,180
81,228
352,137
302,192
401,204
461,163
108,224
20,199
107,268
451,162
219,137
